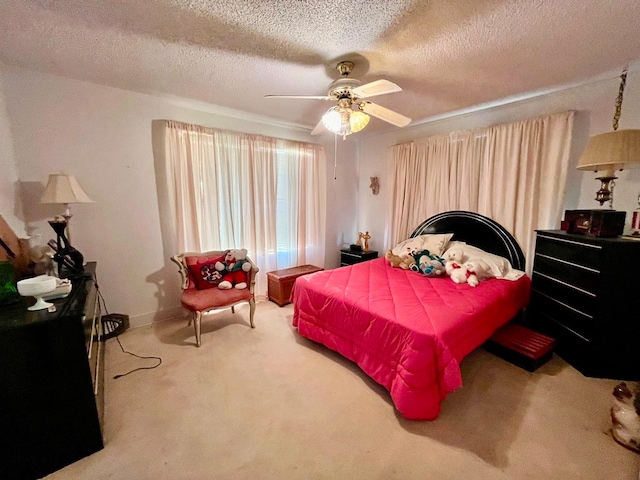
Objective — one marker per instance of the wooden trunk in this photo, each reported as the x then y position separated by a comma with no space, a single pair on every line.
280,282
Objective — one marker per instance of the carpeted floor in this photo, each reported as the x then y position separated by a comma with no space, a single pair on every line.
267,404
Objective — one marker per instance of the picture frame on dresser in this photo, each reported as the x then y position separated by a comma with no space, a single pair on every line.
583,294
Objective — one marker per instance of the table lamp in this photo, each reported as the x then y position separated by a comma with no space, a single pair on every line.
65,189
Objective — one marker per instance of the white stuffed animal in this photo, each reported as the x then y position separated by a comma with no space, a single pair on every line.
234,269
461,274
479,267
471,272
454,258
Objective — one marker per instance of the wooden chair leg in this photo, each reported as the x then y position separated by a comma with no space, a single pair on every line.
196,326
252,308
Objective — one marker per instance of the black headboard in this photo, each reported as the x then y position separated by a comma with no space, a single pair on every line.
476,230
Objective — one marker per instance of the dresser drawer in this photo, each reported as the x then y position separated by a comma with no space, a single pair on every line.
570,275
572,348
562,313
570,251
579,299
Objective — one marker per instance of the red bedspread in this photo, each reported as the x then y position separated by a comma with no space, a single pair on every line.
406,331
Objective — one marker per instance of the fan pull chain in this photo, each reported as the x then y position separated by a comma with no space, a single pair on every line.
623,82
335,157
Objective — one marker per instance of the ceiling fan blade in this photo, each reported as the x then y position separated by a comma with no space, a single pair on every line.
318,129
379,87
384,114
310,97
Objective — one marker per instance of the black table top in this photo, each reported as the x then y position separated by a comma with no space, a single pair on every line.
16,315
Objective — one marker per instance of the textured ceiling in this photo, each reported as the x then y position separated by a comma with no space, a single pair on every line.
446,55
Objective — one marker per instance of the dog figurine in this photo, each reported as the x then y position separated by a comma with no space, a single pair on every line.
625,417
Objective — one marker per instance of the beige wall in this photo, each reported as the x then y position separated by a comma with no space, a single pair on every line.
103,136
10,206
594,104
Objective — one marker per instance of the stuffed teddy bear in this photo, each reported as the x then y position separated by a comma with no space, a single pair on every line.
404,262
428,264
234,269
461,274
479,267
471,272
454,258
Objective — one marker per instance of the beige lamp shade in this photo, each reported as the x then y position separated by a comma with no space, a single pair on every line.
64,189
611,151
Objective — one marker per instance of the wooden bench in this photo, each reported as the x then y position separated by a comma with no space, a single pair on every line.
521,346
280,282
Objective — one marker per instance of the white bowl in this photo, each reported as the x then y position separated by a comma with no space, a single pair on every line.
36,287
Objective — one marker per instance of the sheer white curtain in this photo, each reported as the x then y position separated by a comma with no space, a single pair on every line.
513,173
236,190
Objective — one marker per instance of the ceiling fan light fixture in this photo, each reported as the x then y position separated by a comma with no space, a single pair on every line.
358,120
344,121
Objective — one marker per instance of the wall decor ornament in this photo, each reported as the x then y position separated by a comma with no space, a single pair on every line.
375,185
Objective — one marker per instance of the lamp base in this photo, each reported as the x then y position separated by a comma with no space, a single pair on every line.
605,194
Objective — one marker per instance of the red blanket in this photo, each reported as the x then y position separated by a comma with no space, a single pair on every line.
406,331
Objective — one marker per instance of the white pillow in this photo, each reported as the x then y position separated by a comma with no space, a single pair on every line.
436,243
500,266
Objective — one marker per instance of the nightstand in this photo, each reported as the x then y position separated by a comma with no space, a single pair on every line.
349,257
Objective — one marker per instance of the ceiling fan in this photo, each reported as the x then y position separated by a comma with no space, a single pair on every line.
351,114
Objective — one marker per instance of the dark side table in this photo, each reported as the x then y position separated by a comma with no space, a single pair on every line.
349,257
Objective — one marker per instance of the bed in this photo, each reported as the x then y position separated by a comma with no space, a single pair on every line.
407,331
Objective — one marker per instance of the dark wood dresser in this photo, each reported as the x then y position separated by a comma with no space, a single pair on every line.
349,257
51,382
585,293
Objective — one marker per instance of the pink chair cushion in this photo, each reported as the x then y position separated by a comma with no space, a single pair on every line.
199,300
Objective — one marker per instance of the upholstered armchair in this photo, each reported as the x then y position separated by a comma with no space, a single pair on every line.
200,291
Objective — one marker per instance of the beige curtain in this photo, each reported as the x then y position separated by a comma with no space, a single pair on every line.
513,173
236,190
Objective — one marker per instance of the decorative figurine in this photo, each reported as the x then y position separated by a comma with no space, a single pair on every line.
374,186
365,238
70,261
625,416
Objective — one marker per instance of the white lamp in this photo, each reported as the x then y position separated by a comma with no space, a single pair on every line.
64,189
608,152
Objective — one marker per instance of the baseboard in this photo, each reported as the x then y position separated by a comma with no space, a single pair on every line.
145,319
